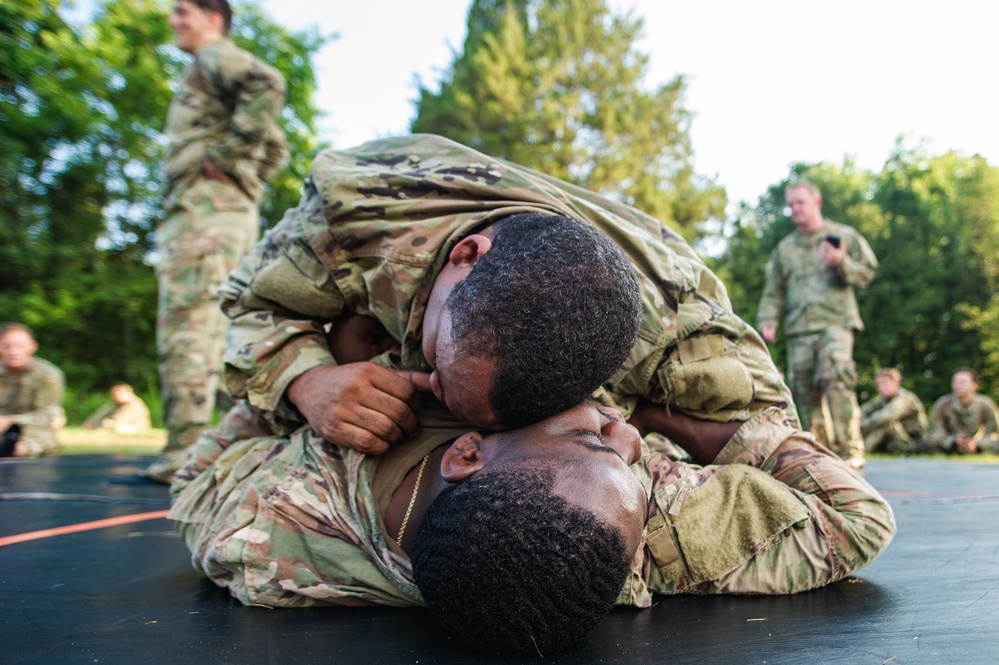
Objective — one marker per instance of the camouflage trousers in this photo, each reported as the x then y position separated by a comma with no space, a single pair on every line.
823,378
204,236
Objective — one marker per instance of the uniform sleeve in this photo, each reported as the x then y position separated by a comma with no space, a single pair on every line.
256,91
772,299
894,410
940,435
48,402
775,513
860,265
987,437
278,300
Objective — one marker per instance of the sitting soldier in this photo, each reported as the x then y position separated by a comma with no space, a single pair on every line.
895,421
126,413
31,392
964,421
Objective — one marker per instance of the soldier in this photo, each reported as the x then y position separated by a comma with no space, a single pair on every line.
896,420
398,228
126,413
31,392
224,144
566,508
810,279
964,421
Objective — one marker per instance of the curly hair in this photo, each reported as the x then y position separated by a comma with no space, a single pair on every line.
556,304
509,568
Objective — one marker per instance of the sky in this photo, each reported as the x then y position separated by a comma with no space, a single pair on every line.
769,82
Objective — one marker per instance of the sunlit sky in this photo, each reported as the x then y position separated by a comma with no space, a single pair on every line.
770,82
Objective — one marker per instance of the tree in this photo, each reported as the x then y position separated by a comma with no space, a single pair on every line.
933,222
81,109
557,86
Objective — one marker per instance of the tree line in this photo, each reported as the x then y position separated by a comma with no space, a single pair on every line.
551,84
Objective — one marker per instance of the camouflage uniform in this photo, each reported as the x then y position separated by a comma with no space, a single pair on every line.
225,113
32,399
897,425
131,417
376,225
295,521
979,421
821,319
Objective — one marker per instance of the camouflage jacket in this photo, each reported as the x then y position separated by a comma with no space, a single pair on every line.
127,418
226,111
811,295
289,522
978,421
33,399
373,230
904,408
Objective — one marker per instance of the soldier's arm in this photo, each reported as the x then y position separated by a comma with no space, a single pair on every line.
48,403
278,300
799,519
940,435
860,264
257,94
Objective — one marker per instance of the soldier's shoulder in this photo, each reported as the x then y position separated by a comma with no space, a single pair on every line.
943,401
45,367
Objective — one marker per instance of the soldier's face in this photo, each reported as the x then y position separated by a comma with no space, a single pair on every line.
462,381
594,449
193,27
962,384
16,350
806,208
887,386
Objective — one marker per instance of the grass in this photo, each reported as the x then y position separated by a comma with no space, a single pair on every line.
79,441
980,458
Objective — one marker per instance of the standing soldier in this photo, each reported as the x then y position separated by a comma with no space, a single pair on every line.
224,144
811,278
31,392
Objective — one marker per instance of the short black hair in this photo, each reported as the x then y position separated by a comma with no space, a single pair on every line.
556,304
509,568
219,6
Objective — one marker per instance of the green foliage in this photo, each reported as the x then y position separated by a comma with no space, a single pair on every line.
81,109
558,86
933,222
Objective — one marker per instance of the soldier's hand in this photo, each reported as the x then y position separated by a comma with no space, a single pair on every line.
360,405
5,423
769,334
831,255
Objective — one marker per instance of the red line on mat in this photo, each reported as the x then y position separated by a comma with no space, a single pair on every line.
83,526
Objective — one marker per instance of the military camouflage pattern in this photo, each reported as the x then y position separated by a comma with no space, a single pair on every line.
374,228
823,379
294,521
897,425
131,417
33,399
774,513
810,295
226,112
978,421
819,308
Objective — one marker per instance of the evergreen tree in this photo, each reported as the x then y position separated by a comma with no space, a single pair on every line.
558,86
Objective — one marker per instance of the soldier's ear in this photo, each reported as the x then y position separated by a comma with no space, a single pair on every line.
471,248
463,458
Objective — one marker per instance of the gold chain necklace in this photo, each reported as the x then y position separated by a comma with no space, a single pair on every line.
412,500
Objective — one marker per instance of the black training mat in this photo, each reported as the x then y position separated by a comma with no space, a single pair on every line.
126,593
